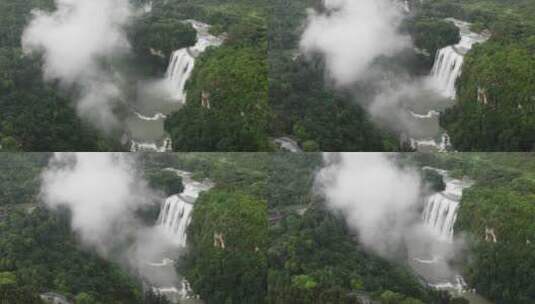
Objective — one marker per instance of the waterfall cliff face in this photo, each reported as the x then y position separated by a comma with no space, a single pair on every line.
446,70
179,71
441,213
173,221
147,7
449,60
161,98
431,257
440,210
175,215
183,60
436,94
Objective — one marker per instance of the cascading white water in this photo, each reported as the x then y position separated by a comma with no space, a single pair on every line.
423,117
287,144
175,217
146,130
441,146
183,60
441,213
173,220
446,70
179,71
449,60
433,261
147,7
440,210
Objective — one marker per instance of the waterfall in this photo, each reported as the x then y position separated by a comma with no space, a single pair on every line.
175,217
446,70
146,130
440,210
179,71
287,144
175,214
440,213
173,221
147,7
406,6
433,260
449,60
182,61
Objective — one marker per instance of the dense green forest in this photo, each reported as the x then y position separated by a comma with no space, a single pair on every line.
500,204
502,68
429,34
226,261
40,253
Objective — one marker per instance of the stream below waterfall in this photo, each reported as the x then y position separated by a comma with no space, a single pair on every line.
172,223
432,261
425,100
158,98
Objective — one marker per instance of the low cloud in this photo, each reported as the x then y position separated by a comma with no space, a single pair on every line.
78,40
381,202
103,191
378,199
352,34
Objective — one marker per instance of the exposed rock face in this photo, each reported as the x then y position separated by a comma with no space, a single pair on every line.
482,96
54,298
156,52
205,100
490,236
219,240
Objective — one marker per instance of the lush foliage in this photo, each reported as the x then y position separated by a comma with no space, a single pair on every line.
290,180
226,261
502,117
430,35
42,253
167,181
19,177
155,36
314,259
243,172
236,119
434,179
